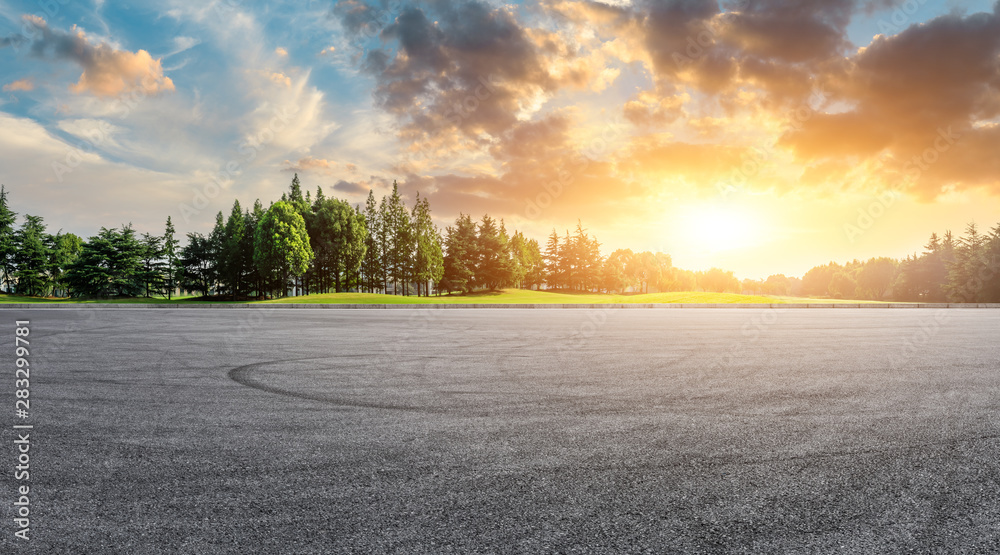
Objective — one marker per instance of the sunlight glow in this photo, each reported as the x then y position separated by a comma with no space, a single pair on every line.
718,228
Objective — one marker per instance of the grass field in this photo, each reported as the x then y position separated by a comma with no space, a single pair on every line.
506,296
521,296
13,299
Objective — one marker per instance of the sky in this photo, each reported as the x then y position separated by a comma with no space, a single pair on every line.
760,136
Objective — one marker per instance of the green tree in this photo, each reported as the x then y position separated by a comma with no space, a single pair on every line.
554,273
534,274
109,265
32,257
281,246
218,245
777,284
428,259
8,245
908,286
586,259
969,268
372,267
718,281
233,269
519,257
337,234
930,271
254,276
491,251
667,279
153,272
816,282
991,279
355,256
646,270
876,277
614,275
171,254
842,286
295,191
397,240
460,255
64,250
198,258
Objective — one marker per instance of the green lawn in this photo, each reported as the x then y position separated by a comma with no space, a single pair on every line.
507,296
11,299
521,296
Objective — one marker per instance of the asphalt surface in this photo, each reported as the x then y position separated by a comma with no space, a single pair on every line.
508,431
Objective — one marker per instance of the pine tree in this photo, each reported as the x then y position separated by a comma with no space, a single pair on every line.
254,277
535,270
519,259
372,264
151,256
460,255
171,254
64,250
568,255
398,245
553,270
233,263
505,261
354,256
971,266
197,259
295,191
8,247
991,281
386,226
32,257
428,257
217,241
489,250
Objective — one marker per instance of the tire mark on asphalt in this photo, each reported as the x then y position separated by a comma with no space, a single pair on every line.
243,375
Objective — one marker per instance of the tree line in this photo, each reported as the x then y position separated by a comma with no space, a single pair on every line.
949,269
306,243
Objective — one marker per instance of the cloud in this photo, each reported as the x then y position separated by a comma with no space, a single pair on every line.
277,78
310,164
655,108
350,188
456,73
107,71
26,84
923,101
280,51
788,30
328,50
59,180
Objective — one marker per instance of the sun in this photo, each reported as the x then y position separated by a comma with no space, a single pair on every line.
718,228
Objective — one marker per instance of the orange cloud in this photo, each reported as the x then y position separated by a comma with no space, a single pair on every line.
26,84
107,71
310,164
277,78
922,101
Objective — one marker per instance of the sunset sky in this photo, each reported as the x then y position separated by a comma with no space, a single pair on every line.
761,136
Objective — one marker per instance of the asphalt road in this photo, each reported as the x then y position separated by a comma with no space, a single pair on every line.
508,431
